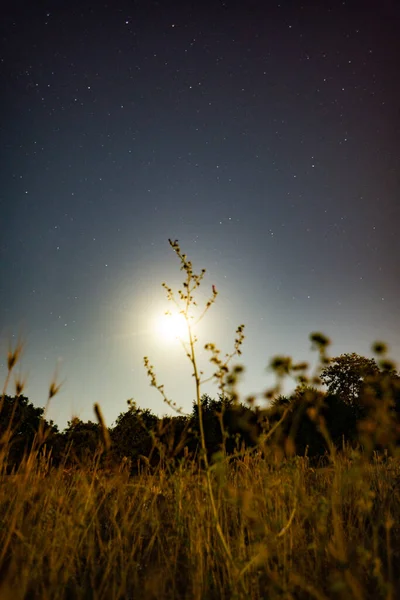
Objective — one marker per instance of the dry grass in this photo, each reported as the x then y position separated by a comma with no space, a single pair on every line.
258,526
293,532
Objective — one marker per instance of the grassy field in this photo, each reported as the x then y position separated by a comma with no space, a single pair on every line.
289,530
258,525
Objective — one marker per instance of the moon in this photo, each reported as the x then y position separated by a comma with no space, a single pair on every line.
172,327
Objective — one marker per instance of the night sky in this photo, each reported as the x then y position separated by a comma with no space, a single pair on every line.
263,136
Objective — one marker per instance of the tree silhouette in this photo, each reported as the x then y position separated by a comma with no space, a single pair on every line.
227,424
346,375
20,423
312,414
81,441
132,436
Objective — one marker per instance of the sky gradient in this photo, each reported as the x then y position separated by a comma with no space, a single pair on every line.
263,136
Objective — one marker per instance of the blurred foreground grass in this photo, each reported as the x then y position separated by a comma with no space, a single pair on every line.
293,531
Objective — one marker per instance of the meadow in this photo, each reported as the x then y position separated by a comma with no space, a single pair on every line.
289,530
262,522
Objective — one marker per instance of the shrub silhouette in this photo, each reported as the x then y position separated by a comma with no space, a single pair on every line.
300,432
132,435
21,423
81,442
228,425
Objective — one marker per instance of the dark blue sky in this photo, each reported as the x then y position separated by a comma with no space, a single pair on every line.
263,135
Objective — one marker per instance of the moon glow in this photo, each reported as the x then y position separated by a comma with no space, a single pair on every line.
172,327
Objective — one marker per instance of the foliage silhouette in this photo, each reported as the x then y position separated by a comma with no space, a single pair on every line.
80,442
299,432
132,436
346,375
21,424
228,425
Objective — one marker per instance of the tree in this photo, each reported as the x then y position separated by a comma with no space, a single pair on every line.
307,409
298,433
81,441
20,424
173,437
132,435
380,427
227,424
346,376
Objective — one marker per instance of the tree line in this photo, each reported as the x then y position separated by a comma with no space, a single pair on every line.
359,407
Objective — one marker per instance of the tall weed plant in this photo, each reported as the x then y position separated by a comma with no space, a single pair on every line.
262,523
